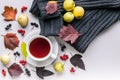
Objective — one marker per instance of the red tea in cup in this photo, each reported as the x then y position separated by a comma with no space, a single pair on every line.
39,48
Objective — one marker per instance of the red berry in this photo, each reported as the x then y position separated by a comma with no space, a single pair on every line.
23,62
24,8
72,69
64,57
3,72
21,31
61,57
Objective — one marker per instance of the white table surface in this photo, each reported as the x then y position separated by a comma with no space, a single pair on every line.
102,58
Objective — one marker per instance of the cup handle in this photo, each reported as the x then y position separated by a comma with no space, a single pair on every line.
53,56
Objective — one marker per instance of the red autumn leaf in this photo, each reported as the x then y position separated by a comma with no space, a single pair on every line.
15,70
9,13
11,41
51,7
68,33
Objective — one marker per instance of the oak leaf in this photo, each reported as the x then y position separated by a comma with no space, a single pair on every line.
9,13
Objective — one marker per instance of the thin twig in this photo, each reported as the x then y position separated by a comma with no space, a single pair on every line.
71,54
32,28
33,70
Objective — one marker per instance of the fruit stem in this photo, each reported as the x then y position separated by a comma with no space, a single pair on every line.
71,54
64,63
15,58
32,28
33,70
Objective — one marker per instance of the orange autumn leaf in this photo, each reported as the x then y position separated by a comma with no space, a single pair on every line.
9,13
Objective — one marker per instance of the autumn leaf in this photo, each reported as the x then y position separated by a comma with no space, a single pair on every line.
39,72
23,49
77,61
9,13
42,72
68,33
51,7
15,70
11,41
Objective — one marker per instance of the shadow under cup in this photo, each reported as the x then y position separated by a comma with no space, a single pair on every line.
39,48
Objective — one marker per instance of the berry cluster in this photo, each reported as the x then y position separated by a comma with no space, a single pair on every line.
64,57
63,47
72,69
17,54
24,8
8,27
3,72
34,25
23,62
21,31
27,72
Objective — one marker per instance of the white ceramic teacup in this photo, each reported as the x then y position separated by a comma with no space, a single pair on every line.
50,54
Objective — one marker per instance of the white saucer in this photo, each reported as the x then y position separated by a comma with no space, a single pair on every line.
49,60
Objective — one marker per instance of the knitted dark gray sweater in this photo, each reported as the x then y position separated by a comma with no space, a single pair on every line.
99,15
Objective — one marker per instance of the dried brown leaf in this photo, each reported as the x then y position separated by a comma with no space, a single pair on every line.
11,41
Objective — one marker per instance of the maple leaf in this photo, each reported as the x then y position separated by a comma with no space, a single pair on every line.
9,13
68,33
11,41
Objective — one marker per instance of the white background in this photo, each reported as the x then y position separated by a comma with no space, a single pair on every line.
102,58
